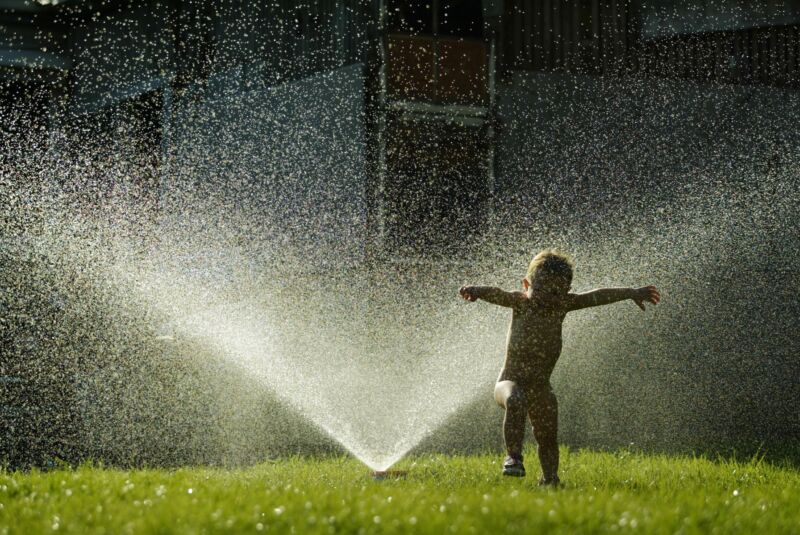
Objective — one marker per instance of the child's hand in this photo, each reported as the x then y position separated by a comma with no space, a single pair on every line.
644,294
468,293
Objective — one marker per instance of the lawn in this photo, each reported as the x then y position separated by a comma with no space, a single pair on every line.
603,492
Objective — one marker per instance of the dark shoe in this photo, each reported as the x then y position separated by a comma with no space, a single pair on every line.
513,467
553,482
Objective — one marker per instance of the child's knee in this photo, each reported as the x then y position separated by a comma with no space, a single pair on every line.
510,396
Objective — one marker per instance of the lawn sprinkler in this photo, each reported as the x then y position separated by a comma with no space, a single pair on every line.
380,475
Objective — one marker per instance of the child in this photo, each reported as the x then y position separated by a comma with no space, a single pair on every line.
534,345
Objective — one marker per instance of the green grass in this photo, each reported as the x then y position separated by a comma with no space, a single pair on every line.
603,492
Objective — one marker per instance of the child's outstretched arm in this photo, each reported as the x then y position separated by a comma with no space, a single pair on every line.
606,296
493,295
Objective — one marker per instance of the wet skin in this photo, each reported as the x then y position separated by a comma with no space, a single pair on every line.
534,345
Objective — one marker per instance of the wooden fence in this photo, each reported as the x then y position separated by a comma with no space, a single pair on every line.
604,37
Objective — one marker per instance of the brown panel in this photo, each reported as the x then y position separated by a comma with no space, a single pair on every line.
410,67
462,72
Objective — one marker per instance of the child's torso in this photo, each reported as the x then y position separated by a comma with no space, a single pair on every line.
534,343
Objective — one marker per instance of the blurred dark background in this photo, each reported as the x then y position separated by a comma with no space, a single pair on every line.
652,138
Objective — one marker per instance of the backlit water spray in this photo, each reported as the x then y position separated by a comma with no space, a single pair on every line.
168,295
373,382
380,360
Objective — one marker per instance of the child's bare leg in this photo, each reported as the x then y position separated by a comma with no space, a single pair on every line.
512,398
544,418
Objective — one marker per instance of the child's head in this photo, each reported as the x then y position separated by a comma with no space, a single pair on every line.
550,271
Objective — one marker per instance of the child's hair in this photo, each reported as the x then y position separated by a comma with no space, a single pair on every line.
554,262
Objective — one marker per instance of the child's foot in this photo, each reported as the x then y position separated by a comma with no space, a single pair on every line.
513,467
549,482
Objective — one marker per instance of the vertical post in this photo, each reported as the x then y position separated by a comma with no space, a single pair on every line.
375,101
435,31
490,135
165,167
